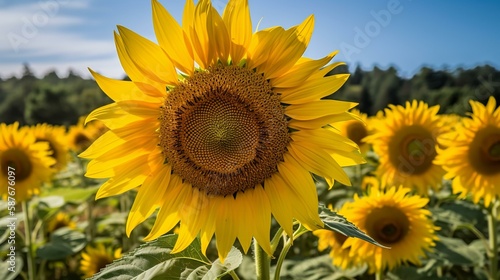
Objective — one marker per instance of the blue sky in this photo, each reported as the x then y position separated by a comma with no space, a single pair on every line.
59,34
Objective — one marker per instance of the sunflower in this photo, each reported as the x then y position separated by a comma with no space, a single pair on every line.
54,135
96,258
29,160
471,154
394,219
59,221
405,141
355,130
221,127
81,135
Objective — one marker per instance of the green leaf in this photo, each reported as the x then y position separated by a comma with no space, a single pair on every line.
9,272
317,268
154,260
74,195
52,201
459,212
457,252
218,269
63,242
9,224
338,223
47,206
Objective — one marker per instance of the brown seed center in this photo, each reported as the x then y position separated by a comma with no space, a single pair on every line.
18,160
223,130
220,134
484,152
412,150
356,131
388,225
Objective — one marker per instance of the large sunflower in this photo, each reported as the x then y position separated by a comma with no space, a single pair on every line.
55,136
405,141
220,146
96,258
394,219
29,160
472,153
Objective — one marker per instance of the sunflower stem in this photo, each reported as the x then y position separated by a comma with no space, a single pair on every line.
91,222
276,239
124,208
28,239
379,275
90,202
234,275
262,262
493,242
286,247
359,178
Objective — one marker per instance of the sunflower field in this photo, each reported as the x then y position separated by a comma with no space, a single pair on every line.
227,154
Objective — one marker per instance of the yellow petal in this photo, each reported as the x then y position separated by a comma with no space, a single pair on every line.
219,35
168,216
314,90
287,47
246,216
262,41
129,149
317,109
127,64
200,34
188,17
318,162
300,72
300,181
172,39
208,227
224,229
281,202
113,116
320,122
127,177
324,138
148,57
149,196
119,90
109,140
262,216
237,18
191,215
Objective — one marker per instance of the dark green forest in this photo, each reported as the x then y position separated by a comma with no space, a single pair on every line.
62,100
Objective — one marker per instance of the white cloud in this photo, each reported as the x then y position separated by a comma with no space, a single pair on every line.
43,34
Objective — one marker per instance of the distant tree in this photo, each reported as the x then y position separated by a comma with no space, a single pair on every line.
48,105
357,77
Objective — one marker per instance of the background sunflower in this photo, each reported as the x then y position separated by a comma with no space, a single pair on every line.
54,136
471,153
30,160
394,219
405,140
96,258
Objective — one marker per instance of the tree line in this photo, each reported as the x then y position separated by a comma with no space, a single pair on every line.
62,100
